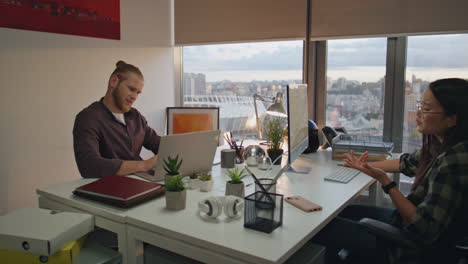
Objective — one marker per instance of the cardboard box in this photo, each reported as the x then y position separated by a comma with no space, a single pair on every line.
42,232
67,255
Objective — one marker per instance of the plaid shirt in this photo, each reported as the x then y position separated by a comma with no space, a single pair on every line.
442,195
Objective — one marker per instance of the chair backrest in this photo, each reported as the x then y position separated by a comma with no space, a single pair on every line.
191,119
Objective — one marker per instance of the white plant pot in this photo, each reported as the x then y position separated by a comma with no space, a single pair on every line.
166,177
236,189
176,200
194,184
206,186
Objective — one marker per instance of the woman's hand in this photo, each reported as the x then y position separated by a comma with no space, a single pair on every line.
353,162
362,165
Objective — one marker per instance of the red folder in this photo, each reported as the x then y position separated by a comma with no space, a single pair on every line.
121,191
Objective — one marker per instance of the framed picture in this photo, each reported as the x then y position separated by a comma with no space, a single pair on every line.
90,18
191,119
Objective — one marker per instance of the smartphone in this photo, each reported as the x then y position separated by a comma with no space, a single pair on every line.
303,204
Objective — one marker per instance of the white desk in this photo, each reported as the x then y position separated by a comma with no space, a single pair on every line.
220,241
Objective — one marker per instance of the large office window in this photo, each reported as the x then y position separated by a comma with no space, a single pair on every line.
355,85
229,75
428,58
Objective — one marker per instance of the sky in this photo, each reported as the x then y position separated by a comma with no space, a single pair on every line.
426,55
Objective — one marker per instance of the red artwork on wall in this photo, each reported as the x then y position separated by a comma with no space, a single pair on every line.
91,18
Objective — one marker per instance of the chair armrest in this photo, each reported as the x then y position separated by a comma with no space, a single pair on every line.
462,246
388,233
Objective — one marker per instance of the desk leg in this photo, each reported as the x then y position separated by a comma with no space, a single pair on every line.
118,228
135,249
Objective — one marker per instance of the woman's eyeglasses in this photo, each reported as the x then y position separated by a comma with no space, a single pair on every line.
420,105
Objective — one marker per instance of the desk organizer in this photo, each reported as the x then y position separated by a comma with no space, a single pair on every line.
263,214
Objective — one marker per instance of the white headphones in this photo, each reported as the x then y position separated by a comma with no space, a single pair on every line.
213,206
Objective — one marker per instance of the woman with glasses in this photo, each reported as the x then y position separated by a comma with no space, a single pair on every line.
435,213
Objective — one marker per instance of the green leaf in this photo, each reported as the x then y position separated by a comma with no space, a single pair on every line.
172,165
175,183
236,175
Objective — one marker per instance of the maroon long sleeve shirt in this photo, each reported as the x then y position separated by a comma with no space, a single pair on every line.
101,143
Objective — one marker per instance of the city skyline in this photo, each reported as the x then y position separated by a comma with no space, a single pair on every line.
360,74
355,72
358,106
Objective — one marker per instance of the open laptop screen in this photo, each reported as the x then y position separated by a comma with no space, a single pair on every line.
197,150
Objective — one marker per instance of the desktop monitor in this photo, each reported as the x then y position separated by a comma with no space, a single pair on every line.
298,131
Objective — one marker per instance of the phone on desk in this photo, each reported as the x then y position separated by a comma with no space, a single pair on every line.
303,204
330,133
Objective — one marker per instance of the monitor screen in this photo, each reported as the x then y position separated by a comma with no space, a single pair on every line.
298,131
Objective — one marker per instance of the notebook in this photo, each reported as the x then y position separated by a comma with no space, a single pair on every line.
121,191
197,150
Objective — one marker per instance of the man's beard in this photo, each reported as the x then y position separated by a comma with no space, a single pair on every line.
120,101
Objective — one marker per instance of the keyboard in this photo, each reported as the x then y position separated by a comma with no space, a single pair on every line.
342,174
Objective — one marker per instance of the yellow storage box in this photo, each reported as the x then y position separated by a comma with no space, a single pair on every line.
67,255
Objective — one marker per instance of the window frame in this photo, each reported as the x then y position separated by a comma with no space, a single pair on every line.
314,74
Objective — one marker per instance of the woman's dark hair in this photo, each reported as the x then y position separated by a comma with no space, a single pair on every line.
123,68
452,95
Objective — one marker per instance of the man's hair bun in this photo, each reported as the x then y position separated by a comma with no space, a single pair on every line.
122,68
120,64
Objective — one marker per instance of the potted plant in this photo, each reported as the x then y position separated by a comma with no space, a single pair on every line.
171,166
236,186
274,135
206,182
194,182
176,195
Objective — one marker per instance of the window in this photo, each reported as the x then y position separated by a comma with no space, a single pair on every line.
428,58
229,75
355,85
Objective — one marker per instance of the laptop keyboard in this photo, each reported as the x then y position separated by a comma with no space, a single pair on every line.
342,174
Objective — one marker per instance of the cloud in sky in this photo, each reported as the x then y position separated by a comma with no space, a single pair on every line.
436,51
281,55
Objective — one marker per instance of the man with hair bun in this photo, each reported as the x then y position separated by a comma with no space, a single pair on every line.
108,135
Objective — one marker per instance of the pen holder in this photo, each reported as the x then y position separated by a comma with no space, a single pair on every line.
268,184
239,156
262,213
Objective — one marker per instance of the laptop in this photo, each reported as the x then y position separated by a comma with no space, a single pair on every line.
197,150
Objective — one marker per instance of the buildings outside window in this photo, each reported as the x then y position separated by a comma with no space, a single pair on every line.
228,75
355,86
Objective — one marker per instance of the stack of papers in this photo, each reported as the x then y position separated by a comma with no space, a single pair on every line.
377,150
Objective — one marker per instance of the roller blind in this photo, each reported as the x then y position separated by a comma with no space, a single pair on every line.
338,18
225,21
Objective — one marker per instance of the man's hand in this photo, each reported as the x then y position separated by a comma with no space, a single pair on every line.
132,166
150,163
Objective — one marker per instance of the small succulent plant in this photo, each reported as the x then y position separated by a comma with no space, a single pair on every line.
236,175
194,176
175,184
205,177
172,165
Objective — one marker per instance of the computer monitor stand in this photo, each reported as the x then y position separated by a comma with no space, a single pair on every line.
295,167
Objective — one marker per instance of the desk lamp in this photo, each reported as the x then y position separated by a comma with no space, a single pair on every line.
276,109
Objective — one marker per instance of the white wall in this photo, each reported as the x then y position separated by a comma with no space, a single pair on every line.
46,79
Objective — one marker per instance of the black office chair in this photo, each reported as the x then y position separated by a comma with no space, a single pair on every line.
444,251
462,250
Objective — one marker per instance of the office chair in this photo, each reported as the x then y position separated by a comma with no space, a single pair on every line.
446,250
462,250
